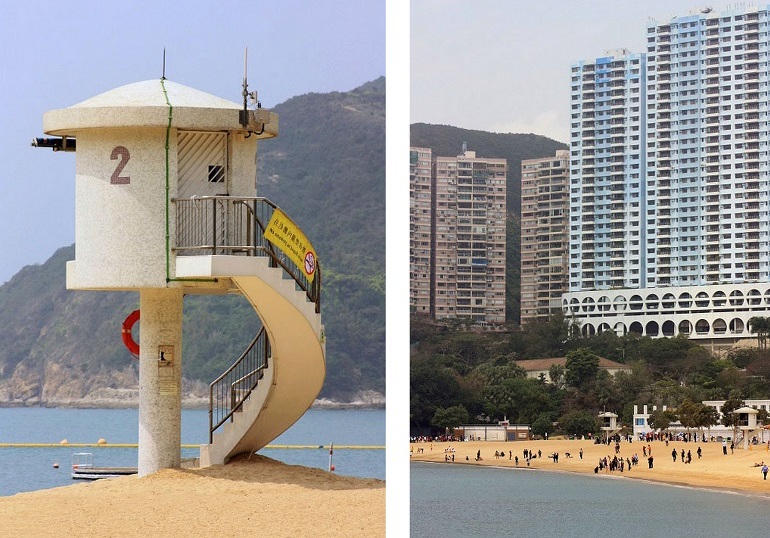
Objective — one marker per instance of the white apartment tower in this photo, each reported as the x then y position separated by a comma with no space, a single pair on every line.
466,224
545,191
669,211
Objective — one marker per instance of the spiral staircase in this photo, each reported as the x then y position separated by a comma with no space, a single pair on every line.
271,385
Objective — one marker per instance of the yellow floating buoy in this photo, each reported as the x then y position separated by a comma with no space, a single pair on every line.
101,441
64,442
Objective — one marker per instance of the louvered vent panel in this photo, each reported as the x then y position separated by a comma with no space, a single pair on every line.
202,164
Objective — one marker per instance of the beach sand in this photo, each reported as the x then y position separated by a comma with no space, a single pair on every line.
246,497
733,472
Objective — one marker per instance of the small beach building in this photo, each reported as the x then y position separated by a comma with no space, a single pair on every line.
494,432
537,368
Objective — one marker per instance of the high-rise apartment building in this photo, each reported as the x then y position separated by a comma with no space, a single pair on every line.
545,189
421,230
670,202
464,267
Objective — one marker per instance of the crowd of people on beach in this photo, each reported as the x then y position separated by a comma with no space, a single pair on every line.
617,462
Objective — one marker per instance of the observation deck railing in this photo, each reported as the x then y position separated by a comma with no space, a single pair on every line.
235,226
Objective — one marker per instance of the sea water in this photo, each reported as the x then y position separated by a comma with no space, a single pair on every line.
462,500
29,469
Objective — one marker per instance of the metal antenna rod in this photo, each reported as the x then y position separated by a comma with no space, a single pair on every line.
245,113
164,64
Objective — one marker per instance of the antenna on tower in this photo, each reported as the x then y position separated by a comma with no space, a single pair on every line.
163,77
245,113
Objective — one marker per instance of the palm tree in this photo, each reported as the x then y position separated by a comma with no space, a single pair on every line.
760,326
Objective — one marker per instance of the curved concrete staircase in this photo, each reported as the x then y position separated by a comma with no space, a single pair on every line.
294,366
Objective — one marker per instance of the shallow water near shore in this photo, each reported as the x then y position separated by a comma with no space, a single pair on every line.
30,469
464,500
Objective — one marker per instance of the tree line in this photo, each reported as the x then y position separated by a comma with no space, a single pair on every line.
460,375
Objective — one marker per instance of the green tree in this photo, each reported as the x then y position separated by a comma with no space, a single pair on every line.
688,414
579,423
760,326
661,419
450,418
730,418
521,400
556,374
543,425
581,367
432,387
707,416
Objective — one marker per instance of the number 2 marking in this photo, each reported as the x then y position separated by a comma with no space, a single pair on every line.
120,152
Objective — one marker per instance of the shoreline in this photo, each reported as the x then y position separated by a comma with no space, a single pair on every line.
733,473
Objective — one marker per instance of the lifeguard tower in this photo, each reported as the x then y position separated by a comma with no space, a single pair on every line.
166,205
747,423
609,423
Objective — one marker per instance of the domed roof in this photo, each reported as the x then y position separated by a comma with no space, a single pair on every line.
150,93
153,103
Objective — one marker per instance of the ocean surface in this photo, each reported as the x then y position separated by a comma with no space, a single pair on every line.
29,469
459,500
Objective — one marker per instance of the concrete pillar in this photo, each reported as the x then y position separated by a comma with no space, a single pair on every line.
160,379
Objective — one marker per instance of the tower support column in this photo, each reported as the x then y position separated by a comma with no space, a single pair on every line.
160,379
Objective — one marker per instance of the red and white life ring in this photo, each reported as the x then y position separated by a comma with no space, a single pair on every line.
128,338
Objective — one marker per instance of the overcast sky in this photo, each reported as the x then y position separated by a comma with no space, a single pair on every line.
504,66
56,54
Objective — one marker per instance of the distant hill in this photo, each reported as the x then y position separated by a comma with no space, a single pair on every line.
447,141
326,169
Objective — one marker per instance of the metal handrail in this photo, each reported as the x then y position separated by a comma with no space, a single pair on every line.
235,225
229,391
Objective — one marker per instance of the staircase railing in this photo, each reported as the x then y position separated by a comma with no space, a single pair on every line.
229,391
235,226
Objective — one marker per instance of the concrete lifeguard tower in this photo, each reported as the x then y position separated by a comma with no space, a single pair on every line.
166,205
747,422
609,423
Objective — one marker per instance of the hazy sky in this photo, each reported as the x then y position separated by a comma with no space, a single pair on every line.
56,54
504,66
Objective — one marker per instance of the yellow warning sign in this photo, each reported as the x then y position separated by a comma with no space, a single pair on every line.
284,234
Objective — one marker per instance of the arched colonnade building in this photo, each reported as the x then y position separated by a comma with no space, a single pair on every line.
717,313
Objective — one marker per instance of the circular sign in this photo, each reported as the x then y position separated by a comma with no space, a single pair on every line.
309,263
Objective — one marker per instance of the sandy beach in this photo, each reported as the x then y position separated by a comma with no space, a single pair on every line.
256,496
733,472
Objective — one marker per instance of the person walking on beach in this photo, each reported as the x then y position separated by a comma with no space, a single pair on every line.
764,471
581,453
700,453
673,455
649,462
724,448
